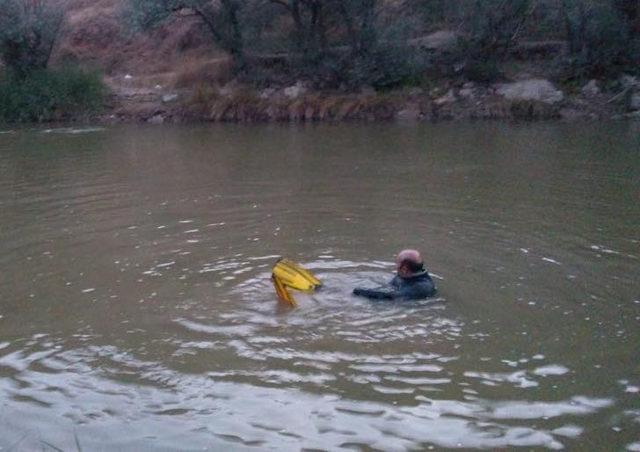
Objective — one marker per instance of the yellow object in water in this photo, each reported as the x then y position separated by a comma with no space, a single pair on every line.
289,275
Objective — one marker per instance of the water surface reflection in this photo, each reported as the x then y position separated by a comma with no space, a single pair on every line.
136,310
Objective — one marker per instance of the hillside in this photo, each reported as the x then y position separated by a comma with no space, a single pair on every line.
96,34
174,72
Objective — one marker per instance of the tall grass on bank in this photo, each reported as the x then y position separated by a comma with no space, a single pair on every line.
51,95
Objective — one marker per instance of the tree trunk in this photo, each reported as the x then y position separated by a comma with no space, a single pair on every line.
236,39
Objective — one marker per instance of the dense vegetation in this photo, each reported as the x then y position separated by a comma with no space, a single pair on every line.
29,89
50,95
357,42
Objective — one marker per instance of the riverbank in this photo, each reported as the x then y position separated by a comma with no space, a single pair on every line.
134,101
176,72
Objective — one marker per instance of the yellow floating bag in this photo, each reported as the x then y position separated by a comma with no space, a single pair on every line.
289,275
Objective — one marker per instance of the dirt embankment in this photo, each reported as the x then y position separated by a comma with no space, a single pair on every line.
173,73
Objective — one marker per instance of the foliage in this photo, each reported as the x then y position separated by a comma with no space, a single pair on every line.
366,42
309,33
47,95
366,45
388,66
223,19
492,28
601,42
28,31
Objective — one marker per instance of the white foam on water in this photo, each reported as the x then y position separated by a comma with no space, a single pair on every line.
551,369
569,431
263,258
602,249
73,130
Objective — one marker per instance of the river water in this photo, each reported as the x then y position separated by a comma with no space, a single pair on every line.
136,310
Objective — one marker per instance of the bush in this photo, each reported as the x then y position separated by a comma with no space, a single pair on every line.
601,42
388,66
50,95
492,28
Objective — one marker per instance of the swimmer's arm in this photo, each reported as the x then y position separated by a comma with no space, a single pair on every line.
373,294
405,293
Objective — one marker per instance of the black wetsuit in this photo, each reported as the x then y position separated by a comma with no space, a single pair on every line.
413,287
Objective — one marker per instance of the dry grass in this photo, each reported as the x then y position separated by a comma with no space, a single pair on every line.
243,104
96,35
195,72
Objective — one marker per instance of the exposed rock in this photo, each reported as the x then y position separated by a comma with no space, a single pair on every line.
591,89
467,93
538,90
410,112
629,81
448,98
295,91
267,93
168,98
156,119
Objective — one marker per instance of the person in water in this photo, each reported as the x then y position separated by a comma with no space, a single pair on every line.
412,281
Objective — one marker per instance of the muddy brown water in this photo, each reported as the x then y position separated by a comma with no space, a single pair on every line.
136,311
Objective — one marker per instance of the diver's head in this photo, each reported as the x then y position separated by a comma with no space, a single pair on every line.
408,263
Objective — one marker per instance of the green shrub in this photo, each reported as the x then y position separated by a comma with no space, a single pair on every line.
50,95
388,66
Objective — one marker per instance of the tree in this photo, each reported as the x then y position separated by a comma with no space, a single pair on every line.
359,17
377,33
353,42
222,19
492,28
310,33
28,32
630,10
601,42
495,25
